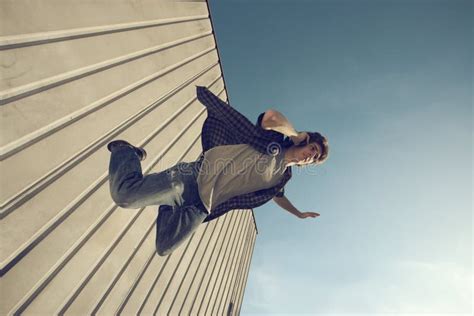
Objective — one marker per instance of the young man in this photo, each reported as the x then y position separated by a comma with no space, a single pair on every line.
242,166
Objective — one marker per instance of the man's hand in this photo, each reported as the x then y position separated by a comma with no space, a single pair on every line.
285,204
301,137
308,214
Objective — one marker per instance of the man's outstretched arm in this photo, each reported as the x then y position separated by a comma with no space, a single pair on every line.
284,203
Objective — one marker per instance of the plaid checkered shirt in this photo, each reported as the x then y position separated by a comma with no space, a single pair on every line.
224,125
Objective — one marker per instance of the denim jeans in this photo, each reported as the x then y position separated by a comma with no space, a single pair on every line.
174,189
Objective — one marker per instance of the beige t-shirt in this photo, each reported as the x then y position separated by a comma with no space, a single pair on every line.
232,170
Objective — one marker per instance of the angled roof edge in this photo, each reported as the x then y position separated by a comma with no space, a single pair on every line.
217,49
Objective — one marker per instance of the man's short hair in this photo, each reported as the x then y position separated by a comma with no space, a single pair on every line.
315,137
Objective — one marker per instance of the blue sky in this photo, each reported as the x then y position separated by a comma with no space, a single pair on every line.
390,84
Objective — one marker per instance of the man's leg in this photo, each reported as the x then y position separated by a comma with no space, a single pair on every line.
176,225
174,189
130,189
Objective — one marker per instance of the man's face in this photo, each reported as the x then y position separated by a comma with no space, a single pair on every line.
308,154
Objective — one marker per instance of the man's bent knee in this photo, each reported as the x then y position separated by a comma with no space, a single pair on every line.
163,251
122,200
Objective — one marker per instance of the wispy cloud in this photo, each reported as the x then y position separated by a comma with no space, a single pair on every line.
266,286
403,287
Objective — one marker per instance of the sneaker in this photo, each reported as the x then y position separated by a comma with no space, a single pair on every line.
117,143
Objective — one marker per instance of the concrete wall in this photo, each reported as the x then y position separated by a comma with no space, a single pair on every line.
76,75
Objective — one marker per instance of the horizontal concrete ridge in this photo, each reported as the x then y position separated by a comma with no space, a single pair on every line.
16,41
7,96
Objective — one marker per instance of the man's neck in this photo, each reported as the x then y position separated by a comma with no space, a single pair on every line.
288,158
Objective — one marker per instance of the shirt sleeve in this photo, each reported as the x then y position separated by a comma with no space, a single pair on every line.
259,120
281,192
220,110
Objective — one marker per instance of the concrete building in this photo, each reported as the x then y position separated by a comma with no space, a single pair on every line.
76,75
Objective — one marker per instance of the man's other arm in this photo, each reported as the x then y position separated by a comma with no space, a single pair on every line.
276,121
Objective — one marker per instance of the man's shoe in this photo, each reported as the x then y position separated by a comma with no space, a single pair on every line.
117,143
